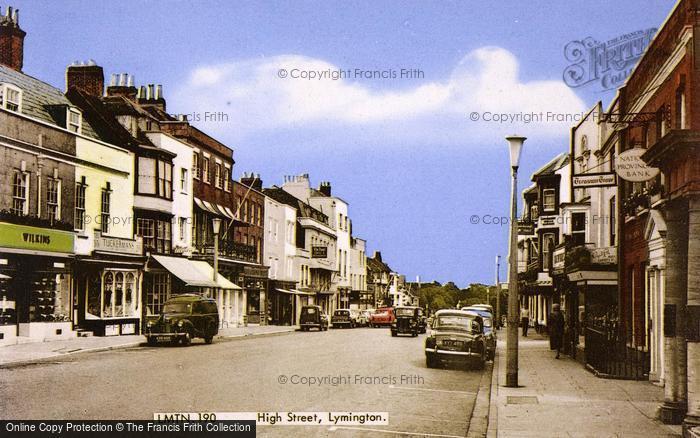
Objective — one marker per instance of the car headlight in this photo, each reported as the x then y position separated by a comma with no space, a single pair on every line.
150,324
180,323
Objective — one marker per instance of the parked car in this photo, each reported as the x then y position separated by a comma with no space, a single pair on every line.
364,316
313,317
408,319
457,336
344,318
484,306
489,332
382,317
183,318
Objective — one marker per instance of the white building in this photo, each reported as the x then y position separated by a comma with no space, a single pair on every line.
183,198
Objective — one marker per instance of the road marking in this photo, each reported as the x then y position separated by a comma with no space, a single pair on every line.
395,432
432,390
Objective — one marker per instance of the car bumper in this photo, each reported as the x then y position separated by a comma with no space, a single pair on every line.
452,353
164,336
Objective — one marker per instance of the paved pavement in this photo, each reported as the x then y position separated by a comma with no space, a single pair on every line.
559,398
13,355
383,374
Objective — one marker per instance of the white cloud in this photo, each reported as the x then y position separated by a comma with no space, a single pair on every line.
485,82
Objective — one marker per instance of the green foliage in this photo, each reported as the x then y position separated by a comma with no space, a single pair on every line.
434,296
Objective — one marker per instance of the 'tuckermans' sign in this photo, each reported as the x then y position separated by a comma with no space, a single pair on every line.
630,166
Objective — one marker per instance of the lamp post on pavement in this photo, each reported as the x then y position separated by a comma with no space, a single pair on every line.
216,227
498,292
515,144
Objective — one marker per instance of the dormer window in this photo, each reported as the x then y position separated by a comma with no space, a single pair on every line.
74,121
10,98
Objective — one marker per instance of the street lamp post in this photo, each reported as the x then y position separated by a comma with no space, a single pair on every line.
516,145
216,226
498,292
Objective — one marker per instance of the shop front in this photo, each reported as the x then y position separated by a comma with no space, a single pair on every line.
254,279
108,285
35,283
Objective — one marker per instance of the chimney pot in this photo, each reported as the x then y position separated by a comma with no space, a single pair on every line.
113,80
150,91
159,91
122,80
130,82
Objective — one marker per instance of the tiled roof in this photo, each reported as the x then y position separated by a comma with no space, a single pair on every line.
555,164
41,100
377,266
304,209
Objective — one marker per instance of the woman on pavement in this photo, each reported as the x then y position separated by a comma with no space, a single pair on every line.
556,329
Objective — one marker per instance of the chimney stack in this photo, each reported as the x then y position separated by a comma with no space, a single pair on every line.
88,77
122,84
377,256
252,180
11,40
152,95
325,188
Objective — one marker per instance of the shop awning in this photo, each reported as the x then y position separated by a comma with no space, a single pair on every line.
196,273
293,291
326,292
4,277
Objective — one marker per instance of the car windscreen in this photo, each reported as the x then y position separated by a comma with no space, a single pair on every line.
456,322
177,308
310,311
404,312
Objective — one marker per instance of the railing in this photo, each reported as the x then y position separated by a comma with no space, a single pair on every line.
615,353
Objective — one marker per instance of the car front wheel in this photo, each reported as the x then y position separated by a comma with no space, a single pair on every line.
186,340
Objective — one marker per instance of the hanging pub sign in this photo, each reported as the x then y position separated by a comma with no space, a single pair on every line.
630,166
319,252
526,228
595,180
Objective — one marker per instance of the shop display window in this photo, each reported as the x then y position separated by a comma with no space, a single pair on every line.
8,307
50,298
113,295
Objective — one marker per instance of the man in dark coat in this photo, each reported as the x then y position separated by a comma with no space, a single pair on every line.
556,329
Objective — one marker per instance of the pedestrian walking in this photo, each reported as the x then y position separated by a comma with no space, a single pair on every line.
556,329
525,320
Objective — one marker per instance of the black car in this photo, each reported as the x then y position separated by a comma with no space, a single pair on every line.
313,317
183,318
344,318
409,320
457,336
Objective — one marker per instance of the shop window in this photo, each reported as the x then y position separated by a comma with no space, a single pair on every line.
158,294
49,298
53,198
20,193
112,295
8,311
80,205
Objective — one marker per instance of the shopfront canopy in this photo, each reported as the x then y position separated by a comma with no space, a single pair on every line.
195,273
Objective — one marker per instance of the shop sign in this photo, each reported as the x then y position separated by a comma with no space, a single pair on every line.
35,238
118,244
604,256
543,279
595,180
319,252
630,166
254,271
547,221
526,228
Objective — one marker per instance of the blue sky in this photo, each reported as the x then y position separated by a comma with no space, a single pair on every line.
402,152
